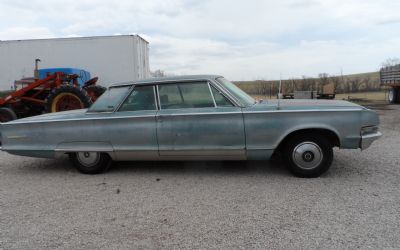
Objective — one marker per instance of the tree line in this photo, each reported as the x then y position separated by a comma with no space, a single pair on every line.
339,84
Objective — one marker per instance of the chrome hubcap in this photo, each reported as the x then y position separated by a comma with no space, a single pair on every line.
88,159
307,155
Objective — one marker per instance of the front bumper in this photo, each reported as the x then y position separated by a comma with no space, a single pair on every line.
368,139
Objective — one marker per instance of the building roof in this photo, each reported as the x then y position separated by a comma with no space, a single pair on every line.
72,38
160,80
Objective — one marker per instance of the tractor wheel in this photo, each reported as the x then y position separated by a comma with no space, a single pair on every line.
394,95
7,115
67,97
95,91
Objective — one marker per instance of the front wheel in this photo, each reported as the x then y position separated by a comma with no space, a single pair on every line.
308,155
91,162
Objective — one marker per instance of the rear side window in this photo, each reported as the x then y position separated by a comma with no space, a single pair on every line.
185,95
141,98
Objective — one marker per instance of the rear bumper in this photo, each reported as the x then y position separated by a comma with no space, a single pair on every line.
367,140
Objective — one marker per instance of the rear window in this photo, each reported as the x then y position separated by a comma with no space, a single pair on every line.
185,95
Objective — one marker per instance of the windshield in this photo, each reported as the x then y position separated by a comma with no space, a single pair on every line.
108,101
239,94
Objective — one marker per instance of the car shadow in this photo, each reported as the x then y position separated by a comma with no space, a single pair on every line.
201,167
57,166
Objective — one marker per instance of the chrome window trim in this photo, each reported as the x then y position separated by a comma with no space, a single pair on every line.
163,81
155,97
211,93
226,93
158,97
129,93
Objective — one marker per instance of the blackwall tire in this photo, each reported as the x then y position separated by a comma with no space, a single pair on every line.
308,155
7,115
91,162
67,97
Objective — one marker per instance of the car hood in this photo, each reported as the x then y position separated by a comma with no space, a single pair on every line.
71,114
301,104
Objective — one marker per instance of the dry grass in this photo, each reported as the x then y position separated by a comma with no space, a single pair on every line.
377,97
5,93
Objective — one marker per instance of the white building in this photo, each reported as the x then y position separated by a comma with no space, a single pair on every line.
111,58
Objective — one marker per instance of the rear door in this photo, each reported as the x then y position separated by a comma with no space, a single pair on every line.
196,121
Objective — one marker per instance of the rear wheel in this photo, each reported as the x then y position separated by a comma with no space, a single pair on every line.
394,95
67,97
308,155
7,115
91,162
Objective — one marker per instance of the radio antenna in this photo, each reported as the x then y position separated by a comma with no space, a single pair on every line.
279,90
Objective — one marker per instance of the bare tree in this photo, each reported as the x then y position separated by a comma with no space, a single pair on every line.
368,84
391,62
263,87
355,83
336,80
158,73
323,78
346,85
306,83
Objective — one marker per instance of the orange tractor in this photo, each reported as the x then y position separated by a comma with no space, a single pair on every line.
59,90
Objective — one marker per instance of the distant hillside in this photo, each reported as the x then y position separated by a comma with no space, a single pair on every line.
343,84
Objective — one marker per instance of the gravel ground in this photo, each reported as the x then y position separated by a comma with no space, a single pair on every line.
48,204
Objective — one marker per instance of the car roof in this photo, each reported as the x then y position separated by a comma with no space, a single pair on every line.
161,80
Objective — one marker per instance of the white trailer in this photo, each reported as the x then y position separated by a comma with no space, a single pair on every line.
112,58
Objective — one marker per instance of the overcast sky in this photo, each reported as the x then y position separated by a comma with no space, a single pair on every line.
243,40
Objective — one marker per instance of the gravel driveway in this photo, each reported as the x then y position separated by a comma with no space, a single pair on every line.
47,203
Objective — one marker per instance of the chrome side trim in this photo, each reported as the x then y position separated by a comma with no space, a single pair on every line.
302,111
367,140
190,114
68,150
17,137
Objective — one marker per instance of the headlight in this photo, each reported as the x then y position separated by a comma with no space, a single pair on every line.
369,130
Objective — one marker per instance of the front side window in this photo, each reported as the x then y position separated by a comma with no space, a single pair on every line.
141,98
239,94
220,99
110,99
185,95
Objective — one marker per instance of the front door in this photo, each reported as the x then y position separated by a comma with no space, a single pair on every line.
198,122
133,127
